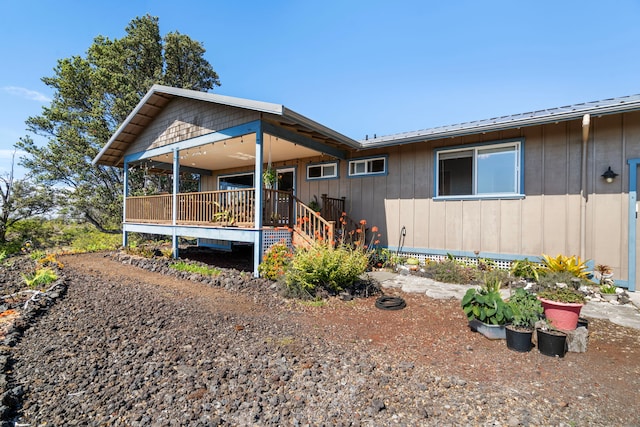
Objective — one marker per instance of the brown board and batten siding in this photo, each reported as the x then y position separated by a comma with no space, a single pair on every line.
545,220
183,119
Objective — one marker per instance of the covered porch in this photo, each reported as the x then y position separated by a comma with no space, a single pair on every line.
176,132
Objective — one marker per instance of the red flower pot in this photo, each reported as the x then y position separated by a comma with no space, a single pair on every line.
562,315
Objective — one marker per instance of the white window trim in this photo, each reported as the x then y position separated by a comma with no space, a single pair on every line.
322,175
366,161
519,193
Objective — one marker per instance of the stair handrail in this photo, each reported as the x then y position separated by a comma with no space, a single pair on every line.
312,225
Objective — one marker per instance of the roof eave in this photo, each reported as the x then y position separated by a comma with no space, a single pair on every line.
495,127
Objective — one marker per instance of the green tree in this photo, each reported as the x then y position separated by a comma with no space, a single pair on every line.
21,199
93,95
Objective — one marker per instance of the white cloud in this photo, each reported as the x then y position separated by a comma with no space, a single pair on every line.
26,93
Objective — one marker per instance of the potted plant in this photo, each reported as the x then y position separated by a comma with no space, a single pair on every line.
562,305
607,288
551,342
269,176
486,310
413,264
526,310
560,298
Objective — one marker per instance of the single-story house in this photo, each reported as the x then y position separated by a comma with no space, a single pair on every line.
556,181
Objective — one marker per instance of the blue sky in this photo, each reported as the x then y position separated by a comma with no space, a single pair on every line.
359,67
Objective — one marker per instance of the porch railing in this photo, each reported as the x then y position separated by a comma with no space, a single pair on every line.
153,209
333,209
232,208
312,226
278,208
224,207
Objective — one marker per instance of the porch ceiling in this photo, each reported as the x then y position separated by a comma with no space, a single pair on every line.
238,152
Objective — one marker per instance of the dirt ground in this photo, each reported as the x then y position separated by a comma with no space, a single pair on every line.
435,333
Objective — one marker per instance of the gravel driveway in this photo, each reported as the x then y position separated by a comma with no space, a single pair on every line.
128,347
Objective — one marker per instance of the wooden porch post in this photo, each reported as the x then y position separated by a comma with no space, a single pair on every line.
257,245
125,192
176,189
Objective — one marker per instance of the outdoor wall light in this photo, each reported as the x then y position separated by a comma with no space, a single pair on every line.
609,175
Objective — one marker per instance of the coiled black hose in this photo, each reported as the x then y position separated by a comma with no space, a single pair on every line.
390,303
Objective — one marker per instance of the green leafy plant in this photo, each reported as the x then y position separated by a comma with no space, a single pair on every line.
562,294
40,278
381,258
142,250
223,215
3,256
606,282
314,204
167,252
195,268
572,264
525,269
37,254
526,309
322,266
275,261
608,288
486,306
449,271
94,241
494,280
269,176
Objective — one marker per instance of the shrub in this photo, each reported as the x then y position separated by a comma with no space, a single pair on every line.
40,278
37,254
324,267
560,263
275,261
550,280
194,268
94,241
525,269
449,271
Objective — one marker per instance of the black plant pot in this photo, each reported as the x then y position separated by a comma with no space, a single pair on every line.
518,340
583,322
552,343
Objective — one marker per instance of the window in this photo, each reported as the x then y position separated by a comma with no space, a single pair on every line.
371,166
235,182
486,170
322,171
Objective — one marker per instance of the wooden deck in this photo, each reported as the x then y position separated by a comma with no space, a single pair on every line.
234,208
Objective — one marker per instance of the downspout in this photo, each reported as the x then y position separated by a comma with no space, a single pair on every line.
586,120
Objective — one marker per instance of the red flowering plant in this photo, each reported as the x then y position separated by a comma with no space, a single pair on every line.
275,261
363,239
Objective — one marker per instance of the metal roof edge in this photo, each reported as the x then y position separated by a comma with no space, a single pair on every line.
265,107
506,122
321,128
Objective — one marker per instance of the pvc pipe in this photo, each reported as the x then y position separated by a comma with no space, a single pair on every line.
586,121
